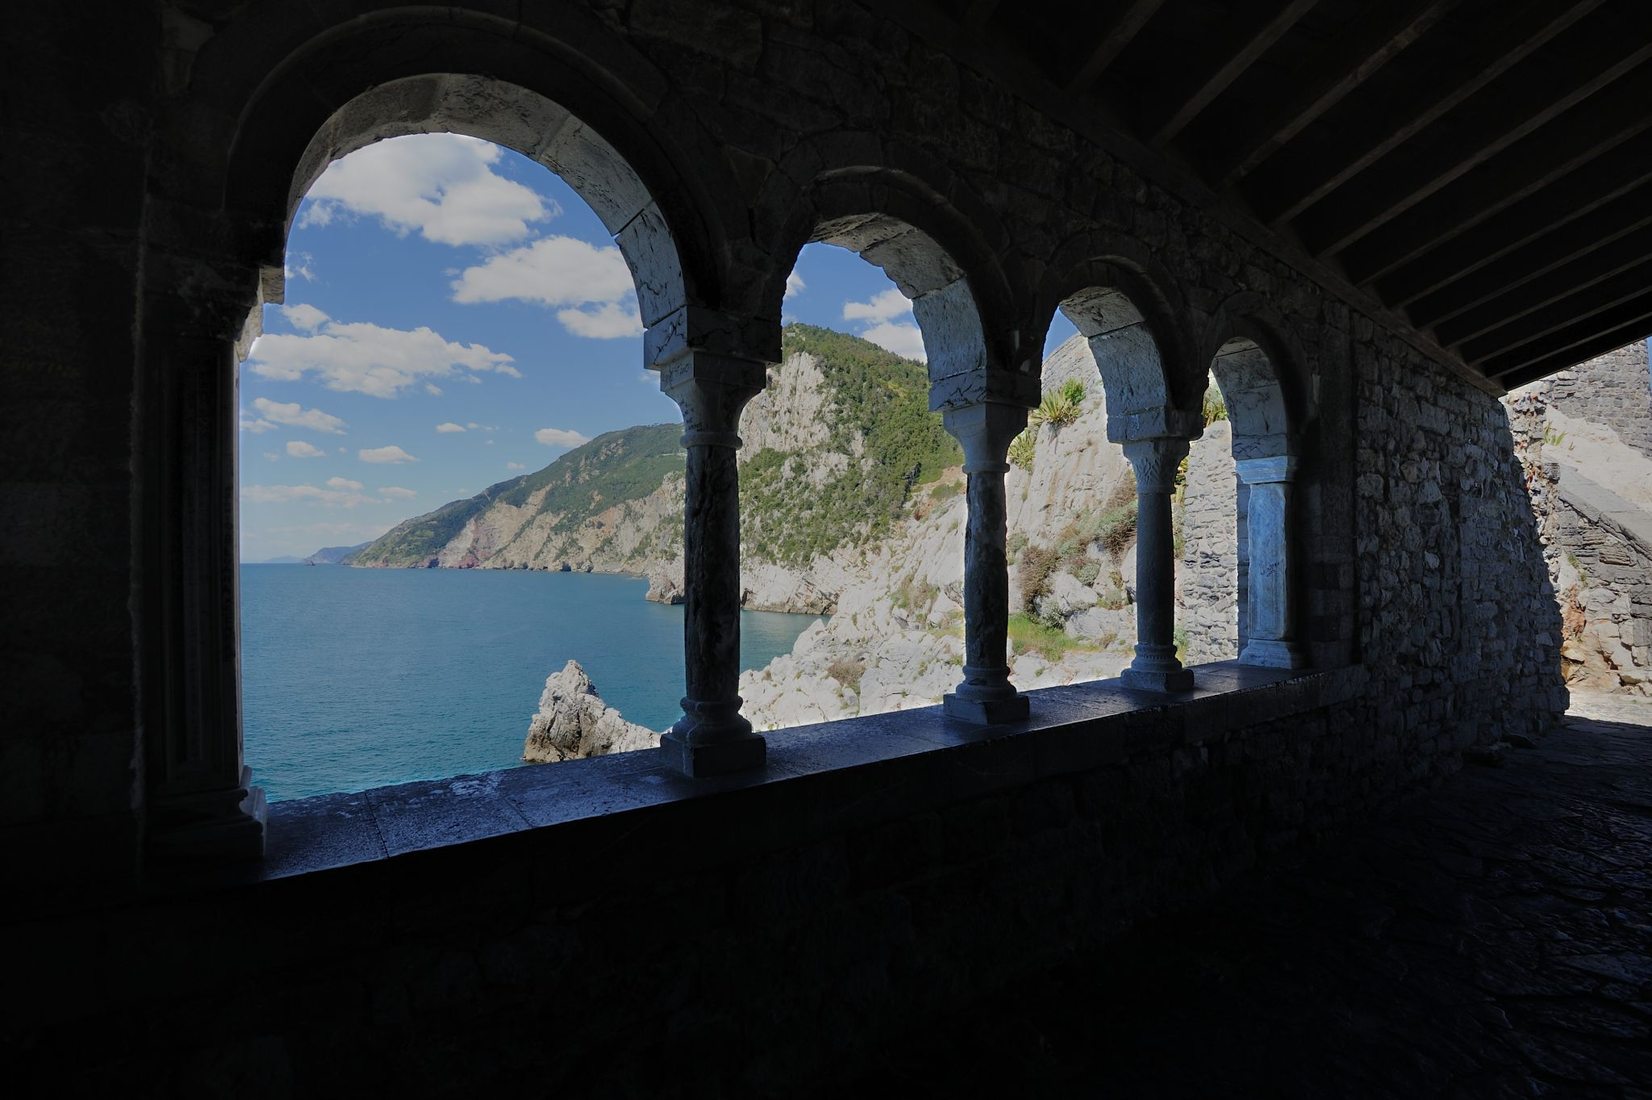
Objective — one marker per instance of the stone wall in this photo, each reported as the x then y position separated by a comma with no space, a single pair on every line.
1614,389
1458,615
666,947
1591,491
774,926
1207,576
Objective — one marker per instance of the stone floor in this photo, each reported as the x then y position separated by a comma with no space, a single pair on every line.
1493,939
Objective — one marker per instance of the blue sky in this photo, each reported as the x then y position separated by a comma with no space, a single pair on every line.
456,315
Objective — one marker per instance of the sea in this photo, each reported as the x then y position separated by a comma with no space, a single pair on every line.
358,678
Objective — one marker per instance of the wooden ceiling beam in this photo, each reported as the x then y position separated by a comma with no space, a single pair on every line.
1520,104
1252,36
1296,178
1578,353
1569,248
1385,31
1629,317
977,14
1567,310
1617,173
1131,19
1573,143
1588,271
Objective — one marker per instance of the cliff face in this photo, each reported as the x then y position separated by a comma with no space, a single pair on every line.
834,449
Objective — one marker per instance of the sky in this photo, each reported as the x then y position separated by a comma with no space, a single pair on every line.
456,315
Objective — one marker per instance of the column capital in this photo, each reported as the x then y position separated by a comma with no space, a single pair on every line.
1266,471
711,389
985,430
1155,462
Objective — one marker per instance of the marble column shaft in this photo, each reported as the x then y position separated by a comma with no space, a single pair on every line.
986,695
1155,667
712,737
1270,637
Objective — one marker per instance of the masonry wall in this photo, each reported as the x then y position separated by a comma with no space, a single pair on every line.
1614,389
642,941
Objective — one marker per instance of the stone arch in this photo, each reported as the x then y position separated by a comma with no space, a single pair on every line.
1122,301
252,117
1254,369
599,117
912,219
1258,375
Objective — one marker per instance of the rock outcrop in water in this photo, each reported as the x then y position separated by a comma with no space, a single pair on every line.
573,722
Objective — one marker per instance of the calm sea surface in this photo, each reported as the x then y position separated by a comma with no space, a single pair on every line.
354,678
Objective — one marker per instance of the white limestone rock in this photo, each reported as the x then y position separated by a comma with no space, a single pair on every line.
573,722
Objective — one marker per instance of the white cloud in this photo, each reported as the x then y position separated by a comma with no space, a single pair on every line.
433,389
904,340
359,357
441,185
609,321
299,266
887,321
794,286
884,306
344,483
515,466
294,416
254,425
305,317
560,437
310,494
448,427
589,286
396,492
297,448
382,455
272,456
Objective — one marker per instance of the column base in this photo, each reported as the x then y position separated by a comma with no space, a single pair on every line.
723,757
1273,654
216,825
986,712
1162,680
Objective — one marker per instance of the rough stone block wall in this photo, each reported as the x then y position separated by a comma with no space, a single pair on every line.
1458,614
1207,577
676,950
1606,593
1614,389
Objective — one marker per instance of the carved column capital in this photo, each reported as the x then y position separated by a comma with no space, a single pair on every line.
712,390
985,431
1155,462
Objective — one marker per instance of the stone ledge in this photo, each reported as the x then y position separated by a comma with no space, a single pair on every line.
911,759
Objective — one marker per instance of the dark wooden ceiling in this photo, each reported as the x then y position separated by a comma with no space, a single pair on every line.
1482,168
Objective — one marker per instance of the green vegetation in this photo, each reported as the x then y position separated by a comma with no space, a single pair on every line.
1024,448
1059,408
877,413
1215,406
847,671
611,469
1027,634
882,400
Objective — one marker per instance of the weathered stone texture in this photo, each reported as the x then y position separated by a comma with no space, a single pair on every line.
1614,389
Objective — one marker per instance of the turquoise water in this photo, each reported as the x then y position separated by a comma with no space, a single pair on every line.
354,678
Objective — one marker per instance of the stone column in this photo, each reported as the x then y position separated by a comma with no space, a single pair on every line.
1271,618
986,695
200,801
1155,667
712,737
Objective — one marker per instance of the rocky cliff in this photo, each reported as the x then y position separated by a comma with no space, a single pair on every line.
573,722
834,450
896,640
